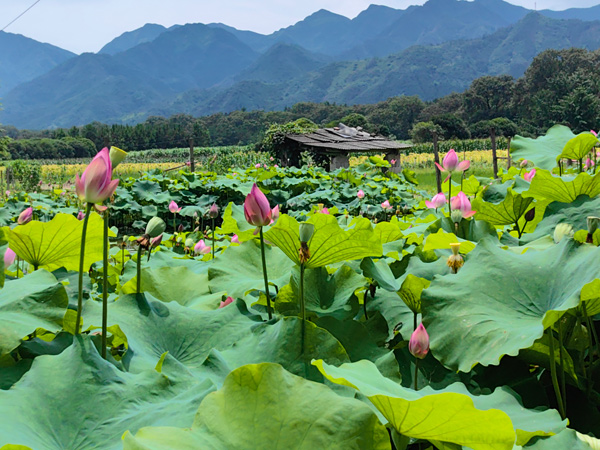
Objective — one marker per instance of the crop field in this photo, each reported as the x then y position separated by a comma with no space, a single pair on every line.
273,308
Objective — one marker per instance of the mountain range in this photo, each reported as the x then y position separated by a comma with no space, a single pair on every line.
429,50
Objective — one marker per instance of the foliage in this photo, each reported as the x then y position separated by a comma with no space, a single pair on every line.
274,140
28,175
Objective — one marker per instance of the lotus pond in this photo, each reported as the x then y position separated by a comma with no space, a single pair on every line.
297,308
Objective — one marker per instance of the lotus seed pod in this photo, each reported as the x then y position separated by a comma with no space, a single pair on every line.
456,216
116,156
155,227
306,231
561,231
455,260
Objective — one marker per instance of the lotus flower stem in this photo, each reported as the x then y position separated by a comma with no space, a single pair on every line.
213,245
365,304
449,194
88,211
264,267
174,225
303,316
415,324
563,388
416,372
139,270
559,399
122,259
590,327
104,286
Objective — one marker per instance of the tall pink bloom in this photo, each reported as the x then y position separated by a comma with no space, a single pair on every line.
96,183
461,203
361,194
418,346
174,207
257,209
201,248
9,257
235,239
25,216
386,205
437,201
451,164
528,176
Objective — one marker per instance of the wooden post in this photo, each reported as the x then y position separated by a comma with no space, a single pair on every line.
394,156
436,158
509,161
192,162
494,154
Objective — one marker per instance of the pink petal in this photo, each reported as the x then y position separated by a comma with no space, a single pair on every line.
464,165
440,167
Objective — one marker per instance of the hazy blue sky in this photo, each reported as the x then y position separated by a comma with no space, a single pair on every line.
86,25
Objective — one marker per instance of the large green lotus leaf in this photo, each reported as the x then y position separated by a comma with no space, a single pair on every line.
241,271
188,335
330,243
329,295
234,222
573,213
590,294
477,316
387,232
544,150
508,212
442,416
280,343
174,284
262,406
35,301
394,310
411,290
568,440
566,189
380,272
150,191
578,147
78,401
442,240
55,244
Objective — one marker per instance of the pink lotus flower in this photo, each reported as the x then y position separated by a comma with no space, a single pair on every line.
257,165
324,211
392,162
174,207
80,215
96,183
451,164
257,209
271,158
418,346
155,242
524,163
25,216
276,166
528,176
201,248
386,205
9,257
213,212
7,193
235,239
274,214
437,201
361,194
228,301
461,203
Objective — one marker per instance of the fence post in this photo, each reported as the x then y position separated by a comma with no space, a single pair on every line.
192,162
494,154
436,158
509,161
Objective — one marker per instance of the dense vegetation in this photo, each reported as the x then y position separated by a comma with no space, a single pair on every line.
377,319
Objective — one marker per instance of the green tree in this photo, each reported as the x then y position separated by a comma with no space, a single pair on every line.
489,97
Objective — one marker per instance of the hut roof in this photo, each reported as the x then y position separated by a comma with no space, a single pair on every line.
346,139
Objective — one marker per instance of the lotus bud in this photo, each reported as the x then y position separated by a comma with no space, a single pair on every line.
201,248
528,176
180,228
306,231
561,231
155,242
213,212
96,183
455,260
235,239
174,207
25,216
116,156
524,163
9,257
189,243
228,301
418,346
80,215
592,226
530,215
155,227
256,208
386,205
361,194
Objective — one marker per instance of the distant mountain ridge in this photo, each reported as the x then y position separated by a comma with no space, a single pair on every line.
202,69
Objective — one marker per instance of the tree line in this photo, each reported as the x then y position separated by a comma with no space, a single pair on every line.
560,86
